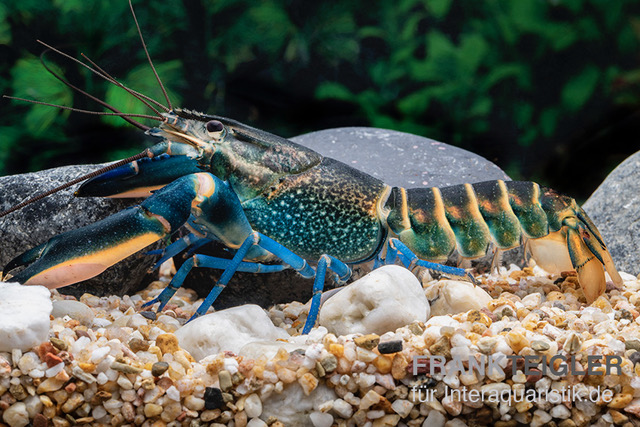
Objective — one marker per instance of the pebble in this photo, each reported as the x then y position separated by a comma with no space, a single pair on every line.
159,368
384,300
389,347
16,415
213,398
253,406
321,419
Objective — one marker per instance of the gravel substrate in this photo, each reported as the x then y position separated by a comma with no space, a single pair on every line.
120,365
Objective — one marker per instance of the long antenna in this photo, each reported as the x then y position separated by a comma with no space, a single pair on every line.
145,153
113,79
144,46
87,94
78,110
117,83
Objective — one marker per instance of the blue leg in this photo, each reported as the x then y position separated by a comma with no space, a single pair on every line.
296,262
408,257
342,273
208,262
189,241
266,243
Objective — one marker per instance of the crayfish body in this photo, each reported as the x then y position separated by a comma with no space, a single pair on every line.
276,204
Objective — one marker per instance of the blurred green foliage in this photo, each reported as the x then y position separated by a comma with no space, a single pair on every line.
545,88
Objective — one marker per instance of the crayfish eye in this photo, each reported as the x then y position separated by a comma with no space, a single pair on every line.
214,126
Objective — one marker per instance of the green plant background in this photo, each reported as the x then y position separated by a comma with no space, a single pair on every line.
547,89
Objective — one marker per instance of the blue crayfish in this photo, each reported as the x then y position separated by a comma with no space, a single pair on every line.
276,204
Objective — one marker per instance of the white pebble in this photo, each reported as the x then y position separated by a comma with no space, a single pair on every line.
321,419
342,408
560,411
54,370
24,316
227,330
434,419
99,354
384,300
253,406
402,407
173,393
98,412
256,422
16,415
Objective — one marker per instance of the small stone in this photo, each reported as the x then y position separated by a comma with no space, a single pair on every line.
369,341
168,343
58,343
194,403
388,347
618,417
17,391
152,410
74,402
442,347
620,400
159,368
16,415
40,421
151,315
342,408
308,382
74,309
369,399
635,357
454,296
124,368
389,420
213,398
257,422
329,363
539,345
632,344
399,367
253,406
517,341
435,419
402,407
136,345
540,418
224,377
560,412
321,419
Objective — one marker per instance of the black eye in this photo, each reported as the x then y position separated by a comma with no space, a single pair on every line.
214,126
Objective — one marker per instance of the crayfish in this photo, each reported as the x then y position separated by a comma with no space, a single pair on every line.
277,205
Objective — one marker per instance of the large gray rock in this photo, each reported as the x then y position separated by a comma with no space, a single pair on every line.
397,158
60,212
615,208
401,159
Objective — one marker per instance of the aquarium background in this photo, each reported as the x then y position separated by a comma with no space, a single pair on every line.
548,90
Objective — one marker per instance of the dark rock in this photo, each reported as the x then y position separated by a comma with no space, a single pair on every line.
389,347
615,209
213,398
60,212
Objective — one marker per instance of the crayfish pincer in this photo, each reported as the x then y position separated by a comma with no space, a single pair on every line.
276,204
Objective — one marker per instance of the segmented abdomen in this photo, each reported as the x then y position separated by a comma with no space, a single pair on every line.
467,217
